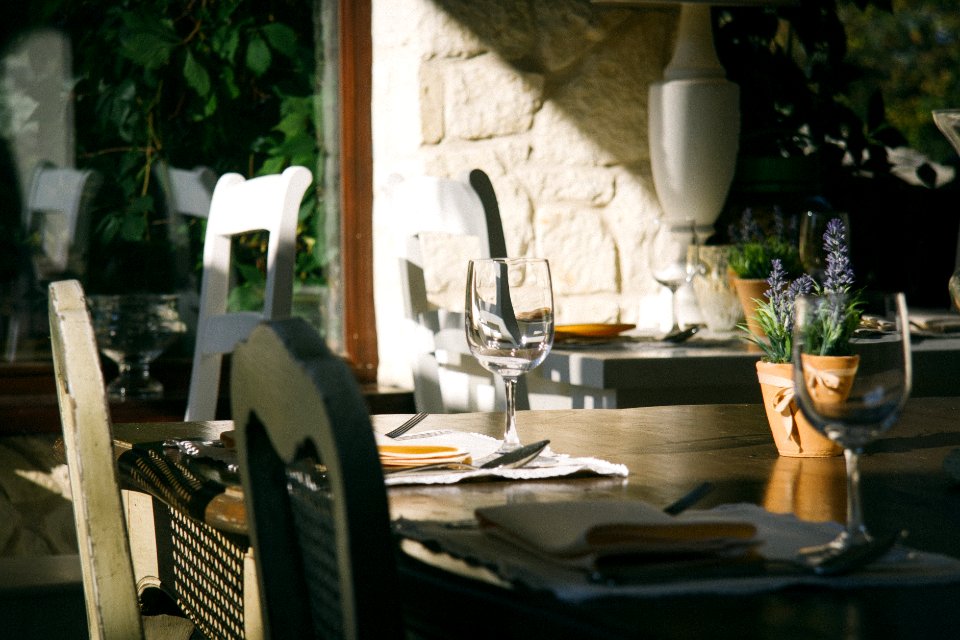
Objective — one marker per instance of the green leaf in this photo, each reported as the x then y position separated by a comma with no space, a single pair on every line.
196,76
258,56
281,37
148,42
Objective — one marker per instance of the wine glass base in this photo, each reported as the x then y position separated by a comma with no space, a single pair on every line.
818,554
137,389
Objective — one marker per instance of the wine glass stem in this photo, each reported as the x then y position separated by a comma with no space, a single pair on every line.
856,531
674,309
510,438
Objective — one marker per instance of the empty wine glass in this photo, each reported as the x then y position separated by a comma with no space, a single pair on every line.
813,224
850,399
673,262
948,121
509,323
133,330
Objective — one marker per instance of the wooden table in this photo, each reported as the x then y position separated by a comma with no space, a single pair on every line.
668,450
696,372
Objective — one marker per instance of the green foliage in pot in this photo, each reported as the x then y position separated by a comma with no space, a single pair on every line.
756,246
228,84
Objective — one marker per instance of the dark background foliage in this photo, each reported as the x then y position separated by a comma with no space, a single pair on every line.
227,84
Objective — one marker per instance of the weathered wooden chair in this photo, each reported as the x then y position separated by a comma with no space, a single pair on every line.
446,376
270,203
316,503
110,589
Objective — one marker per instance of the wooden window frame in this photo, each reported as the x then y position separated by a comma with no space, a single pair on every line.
356,158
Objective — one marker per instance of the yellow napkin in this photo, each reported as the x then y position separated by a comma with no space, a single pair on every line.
397,456
581,533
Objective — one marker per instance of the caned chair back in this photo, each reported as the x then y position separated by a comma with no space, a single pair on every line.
315,497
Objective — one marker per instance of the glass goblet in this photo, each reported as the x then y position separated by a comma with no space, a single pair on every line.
813,224
674,260
133,330
850,399
509,323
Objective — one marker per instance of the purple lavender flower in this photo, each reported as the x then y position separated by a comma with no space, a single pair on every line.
839,274
748,231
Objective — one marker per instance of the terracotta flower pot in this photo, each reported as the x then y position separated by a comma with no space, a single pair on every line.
794,435
748,290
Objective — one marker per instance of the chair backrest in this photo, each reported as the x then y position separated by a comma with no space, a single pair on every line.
270,203
445,375
108,580
187,194
55,208
325,533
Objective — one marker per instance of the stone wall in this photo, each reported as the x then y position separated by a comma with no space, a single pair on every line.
549,97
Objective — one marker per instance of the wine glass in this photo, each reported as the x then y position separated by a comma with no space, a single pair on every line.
948,121
850,399
674,260
133,330
813,224
509,323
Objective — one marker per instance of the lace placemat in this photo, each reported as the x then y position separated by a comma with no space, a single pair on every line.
781,534
548,465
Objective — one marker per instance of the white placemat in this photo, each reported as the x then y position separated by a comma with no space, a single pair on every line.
781,534
548,465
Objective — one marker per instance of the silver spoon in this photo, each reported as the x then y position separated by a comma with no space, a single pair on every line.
681,335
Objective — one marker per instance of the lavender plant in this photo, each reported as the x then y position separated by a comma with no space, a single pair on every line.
839,315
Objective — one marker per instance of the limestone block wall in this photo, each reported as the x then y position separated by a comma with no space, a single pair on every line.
549,97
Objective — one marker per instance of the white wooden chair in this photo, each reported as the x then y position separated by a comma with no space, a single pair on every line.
325,556
270,203
422,210
109,585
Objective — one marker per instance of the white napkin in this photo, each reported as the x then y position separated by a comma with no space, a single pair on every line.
481,448
781,536
580,533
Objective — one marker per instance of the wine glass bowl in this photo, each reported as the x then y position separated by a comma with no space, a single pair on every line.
674,260
813,224
133,330
509,322
852,398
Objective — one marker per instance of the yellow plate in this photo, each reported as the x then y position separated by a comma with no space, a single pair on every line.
408,451
590,330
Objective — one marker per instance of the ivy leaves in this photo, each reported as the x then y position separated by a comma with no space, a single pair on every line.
227,84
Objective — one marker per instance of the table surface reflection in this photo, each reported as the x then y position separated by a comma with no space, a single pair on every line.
670,449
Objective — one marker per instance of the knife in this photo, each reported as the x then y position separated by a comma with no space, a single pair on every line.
518,457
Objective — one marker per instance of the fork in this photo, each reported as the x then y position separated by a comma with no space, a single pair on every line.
406,426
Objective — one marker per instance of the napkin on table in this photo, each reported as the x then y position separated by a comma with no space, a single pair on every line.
581,533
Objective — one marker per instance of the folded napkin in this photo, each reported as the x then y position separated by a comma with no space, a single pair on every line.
949,323
581,533
405,456
779,537
481,448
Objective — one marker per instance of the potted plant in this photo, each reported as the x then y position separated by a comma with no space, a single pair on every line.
755,247
793,435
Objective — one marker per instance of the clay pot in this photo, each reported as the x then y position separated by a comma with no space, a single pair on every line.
794,436
748,290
